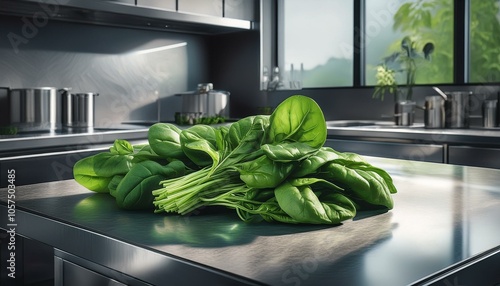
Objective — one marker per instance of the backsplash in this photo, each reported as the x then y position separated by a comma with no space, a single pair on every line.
136,72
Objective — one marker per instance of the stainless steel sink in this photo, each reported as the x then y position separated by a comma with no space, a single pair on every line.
358,123
371,124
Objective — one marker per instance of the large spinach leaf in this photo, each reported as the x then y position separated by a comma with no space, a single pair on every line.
199,144
311,164
304,205
164,140
95,172
300,119
362,182
135,190
264,172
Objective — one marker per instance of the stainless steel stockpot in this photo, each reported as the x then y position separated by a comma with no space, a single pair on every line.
78,109
457,109
206,100
34,109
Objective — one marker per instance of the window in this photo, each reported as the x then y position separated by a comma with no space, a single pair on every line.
424,21
484,41
310,51
315,40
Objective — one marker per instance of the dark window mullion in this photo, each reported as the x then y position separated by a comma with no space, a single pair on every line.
359,44
461,41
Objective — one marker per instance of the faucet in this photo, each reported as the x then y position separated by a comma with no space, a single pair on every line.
275,82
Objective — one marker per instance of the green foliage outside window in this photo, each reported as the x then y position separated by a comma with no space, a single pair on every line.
429,21
484,41
432,21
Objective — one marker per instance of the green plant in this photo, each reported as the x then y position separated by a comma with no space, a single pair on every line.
430,21
405,62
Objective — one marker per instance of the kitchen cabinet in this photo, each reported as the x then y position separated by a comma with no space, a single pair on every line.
192,16
470,147
75,271
34,261
408,151
202,7
130,2
474,156
241,9
158,4
68,273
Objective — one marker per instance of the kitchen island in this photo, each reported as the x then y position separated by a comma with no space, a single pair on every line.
444,224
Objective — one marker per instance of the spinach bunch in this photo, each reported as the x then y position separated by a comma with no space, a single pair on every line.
265,167
274,168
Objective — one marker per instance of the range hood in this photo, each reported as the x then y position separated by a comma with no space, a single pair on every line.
123,15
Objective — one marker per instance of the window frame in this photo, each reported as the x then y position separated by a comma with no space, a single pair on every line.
460,42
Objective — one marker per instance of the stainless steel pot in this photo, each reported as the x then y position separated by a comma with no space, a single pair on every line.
207,101
490,113
78,110
404,113
34,109
457,107
434,112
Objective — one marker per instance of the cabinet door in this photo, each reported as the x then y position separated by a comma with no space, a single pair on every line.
241,9
160,4
203,7
474,156
405,151
68,273
131,2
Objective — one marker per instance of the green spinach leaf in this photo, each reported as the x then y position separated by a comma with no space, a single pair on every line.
298,119
264,172
135,190
84,174
121,147
361,182
164,139
312,163
199,144
288,151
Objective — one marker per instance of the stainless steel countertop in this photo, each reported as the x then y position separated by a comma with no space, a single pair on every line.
60,139
417,133
385,132
443,215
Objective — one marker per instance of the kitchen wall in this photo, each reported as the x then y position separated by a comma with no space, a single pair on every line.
136,72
